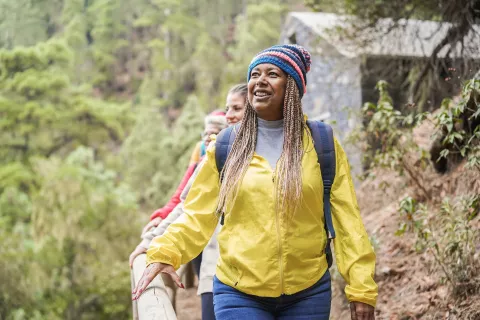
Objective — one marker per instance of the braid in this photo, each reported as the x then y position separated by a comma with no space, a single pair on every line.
288,187
238,159
288,184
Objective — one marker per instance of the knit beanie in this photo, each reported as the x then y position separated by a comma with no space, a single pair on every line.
294,60
217,119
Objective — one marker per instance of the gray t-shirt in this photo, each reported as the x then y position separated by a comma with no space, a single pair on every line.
270,140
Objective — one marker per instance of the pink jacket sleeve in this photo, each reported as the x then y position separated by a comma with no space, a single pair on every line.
175,199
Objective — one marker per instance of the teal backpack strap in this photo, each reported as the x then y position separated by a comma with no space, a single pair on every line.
203,149
322,135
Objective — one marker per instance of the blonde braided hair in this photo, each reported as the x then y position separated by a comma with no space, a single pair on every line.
288,172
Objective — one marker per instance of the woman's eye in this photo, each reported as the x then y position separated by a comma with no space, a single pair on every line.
273,74
254,74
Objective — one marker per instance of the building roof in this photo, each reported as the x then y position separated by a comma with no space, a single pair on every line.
410,38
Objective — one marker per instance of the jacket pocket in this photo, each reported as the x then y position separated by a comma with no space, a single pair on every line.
232,274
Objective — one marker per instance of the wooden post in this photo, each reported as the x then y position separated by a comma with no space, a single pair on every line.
154,303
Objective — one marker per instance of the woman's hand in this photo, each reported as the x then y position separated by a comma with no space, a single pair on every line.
362,311
138,251
152,224
150,273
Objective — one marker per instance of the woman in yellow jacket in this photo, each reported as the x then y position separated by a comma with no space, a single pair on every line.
272,262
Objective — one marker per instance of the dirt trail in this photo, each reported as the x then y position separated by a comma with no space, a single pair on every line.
188,305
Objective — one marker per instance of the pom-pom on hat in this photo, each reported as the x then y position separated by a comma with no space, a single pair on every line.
294,60
216,118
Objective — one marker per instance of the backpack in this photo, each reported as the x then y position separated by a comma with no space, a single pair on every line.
322,135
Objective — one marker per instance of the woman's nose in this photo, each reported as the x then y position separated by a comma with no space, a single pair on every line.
261,79
229,115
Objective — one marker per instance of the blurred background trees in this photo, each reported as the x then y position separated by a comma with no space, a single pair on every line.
101,103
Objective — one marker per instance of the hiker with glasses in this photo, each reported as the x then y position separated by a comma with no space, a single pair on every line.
281,186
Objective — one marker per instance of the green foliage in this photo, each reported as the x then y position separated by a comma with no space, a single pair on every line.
38,104
413,219
79,200
388,133
455,126
16,175
152,150
256,31
75,243
450,236
25,22
447,233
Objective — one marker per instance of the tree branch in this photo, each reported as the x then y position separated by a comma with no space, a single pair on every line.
454,34
414,177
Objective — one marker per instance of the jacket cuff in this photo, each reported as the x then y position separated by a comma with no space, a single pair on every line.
162,258
370,299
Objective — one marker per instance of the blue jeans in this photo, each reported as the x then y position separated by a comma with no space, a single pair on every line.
312,303
207,306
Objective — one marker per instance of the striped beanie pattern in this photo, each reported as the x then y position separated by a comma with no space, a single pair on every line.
294,60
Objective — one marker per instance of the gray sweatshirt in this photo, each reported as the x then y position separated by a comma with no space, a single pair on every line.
270,140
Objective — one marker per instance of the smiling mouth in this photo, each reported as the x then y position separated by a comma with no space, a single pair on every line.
261,94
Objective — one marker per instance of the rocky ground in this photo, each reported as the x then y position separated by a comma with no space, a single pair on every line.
188,305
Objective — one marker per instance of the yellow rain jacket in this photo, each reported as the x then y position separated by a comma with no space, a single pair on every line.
262,254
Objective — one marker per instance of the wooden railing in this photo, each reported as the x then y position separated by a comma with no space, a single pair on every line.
154,303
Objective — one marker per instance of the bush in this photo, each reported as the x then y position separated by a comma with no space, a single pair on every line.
449,236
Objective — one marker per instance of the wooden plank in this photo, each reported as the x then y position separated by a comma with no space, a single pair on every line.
154,303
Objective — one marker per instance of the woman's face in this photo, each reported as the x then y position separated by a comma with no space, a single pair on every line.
235,108
266,91
209,131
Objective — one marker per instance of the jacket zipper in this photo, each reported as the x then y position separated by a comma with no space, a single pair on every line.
279,240
233,278
280,251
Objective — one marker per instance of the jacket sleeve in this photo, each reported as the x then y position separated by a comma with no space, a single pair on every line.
189,234
175,199
353,251
177,212
160,229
